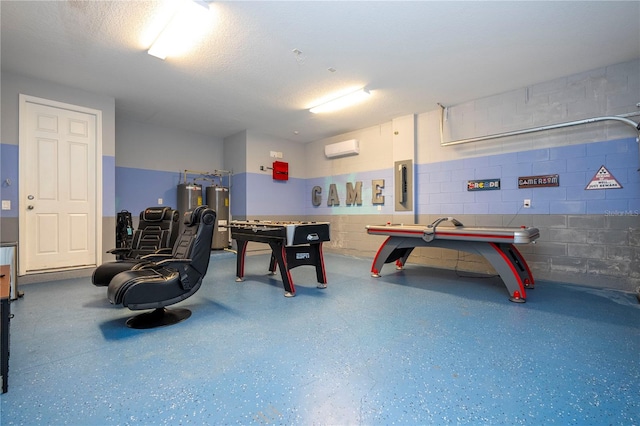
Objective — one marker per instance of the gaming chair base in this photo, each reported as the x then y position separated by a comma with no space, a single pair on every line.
158,318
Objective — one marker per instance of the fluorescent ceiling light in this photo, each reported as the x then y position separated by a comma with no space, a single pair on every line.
341,102
188,24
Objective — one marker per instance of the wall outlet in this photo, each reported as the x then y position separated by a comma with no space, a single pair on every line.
6,204
160,201
527,204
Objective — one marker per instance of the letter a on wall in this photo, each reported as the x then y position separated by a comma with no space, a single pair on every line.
333,196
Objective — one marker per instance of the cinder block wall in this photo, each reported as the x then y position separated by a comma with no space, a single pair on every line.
592,250
587,237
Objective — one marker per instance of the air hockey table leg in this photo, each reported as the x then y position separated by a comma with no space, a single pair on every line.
512,269
523,267
504,258
400,262
391,250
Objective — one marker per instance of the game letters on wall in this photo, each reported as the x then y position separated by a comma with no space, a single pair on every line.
354,194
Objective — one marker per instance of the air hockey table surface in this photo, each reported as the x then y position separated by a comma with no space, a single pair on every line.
512,235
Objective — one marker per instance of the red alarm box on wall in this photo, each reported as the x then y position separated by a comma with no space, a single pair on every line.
280,170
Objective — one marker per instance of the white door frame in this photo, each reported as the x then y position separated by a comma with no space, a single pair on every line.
22,176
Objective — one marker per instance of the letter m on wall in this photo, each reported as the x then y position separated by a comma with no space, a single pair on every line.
354,196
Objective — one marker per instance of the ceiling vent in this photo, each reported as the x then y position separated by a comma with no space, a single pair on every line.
340,149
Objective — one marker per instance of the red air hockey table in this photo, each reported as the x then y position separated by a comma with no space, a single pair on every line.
292,244
496,244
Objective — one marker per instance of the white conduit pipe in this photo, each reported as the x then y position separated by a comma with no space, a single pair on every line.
620,118
215,173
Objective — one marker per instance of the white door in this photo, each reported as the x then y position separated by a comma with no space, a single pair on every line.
60,177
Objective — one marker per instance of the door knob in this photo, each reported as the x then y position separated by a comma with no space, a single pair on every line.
30,207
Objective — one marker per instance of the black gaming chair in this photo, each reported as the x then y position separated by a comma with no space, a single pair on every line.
156,234
157,229
155,285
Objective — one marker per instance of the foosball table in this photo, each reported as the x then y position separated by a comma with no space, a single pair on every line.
292,244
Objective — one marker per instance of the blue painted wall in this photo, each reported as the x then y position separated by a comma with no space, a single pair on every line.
137,189
238,195
108,185
442,187
9,170
266,196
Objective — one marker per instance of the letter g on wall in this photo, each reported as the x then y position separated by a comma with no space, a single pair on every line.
316,196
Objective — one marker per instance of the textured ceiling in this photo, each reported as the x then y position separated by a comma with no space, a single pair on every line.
245,75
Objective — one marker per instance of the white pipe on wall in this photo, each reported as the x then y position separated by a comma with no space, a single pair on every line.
620,118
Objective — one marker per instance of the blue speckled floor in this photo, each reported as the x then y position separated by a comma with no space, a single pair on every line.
419,346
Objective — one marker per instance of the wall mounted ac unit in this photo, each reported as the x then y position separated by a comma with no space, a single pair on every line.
340,149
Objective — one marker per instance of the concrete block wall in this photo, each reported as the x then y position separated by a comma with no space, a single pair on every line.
610,90
587,237
591,250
